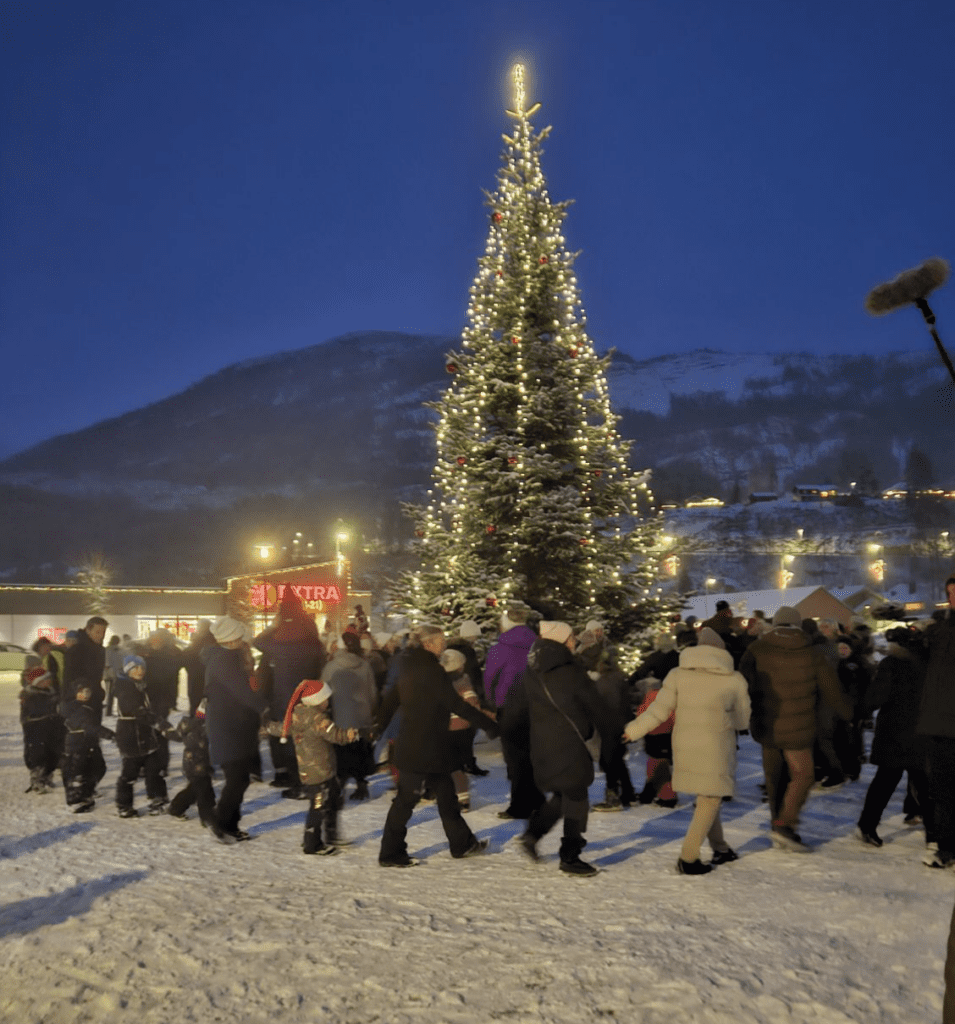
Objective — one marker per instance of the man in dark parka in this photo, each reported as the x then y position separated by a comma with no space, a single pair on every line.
788,676
937,722
423,752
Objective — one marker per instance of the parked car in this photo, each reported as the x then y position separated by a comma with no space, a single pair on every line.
12,657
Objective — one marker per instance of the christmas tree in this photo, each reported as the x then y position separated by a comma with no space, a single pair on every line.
532,497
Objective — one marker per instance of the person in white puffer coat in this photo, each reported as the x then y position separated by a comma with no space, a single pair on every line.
711,702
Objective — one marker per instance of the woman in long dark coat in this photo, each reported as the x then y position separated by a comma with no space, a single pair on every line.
234,709
564,710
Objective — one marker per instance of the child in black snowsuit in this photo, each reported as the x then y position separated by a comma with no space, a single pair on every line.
42,725
81,705
138,730
197,769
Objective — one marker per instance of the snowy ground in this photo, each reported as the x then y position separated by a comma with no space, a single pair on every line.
149,920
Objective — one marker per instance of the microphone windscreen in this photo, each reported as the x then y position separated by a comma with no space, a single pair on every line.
908,287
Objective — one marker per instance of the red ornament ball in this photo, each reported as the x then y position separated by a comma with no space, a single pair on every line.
512,460
491,529
598,472
497,217
543,259
500,273
461,460
584,540
515,341
573,352
419,533
452,368
491,602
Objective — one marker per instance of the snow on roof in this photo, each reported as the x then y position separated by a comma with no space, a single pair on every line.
812,601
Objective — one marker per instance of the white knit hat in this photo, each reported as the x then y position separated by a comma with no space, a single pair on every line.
469,629
226,629
557,631
452,660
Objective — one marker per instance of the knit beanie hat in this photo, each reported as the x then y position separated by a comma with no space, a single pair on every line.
469,629
710,638
787,616
132,661
452,660
227,629
309,692
594,626
557,631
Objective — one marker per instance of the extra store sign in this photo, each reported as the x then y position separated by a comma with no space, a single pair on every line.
315,597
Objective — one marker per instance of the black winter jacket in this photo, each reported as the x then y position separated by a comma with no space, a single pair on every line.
564,709
83,663
136,722
937,715
427,698
897,692
191,732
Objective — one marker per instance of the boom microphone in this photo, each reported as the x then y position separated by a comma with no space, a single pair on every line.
909,287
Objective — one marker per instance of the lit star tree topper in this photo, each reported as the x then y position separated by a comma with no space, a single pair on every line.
532,496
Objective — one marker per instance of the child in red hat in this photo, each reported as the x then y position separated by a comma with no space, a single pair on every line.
310,724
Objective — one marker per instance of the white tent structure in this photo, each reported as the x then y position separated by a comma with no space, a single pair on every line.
811,602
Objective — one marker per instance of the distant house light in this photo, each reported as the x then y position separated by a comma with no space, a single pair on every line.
816,492
699,502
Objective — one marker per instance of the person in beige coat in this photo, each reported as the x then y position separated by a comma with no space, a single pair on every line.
711,703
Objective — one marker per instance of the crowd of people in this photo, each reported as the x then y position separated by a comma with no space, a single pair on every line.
334,708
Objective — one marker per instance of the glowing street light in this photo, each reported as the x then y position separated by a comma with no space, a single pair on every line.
877,565
264,551
785,575
710,582
342,536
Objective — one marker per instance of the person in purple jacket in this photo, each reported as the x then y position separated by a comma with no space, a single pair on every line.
503,672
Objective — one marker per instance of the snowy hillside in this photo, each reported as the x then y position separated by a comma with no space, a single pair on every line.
350,412
340,429
107,920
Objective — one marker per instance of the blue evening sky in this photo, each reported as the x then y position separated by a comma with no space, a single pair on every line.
187,184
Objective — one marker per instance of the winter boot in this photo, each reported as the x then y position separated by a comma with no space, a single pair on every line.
361,791
610,802
693,867
578,867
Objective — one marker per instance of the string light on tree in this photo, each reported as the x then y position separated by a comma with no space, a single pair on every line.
532,488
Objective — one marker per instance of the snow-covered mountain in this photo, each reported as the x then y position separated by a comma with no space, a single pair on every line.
341,428
350,411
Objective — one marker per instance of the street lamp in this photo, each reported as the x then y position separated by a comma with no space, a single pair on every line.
710,582
877,565
264,551
785,575
341,537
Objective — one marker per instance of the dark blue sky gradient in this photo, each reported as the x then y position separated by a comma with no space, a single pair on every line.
190,184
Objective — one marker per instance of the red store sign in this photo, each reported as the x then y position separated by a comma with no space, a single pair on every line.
314,596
